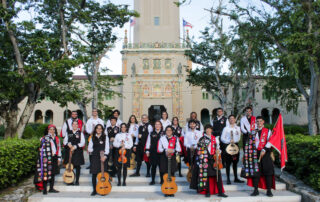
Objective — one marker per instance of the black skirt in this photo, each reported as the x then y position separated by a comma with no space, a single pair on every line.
95,166
117,155
164,163
212,172
77,157
55,166
154,158
139,153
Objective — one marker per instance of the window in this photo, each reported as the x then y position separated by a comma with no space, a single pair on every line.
214,97
205,96
145,63
156,64
168,63
108,97
156,21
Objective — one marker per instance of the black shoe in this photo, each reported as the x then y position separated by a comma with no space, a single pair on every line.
222,195
148,175
238,181
152,183
113,175
70,184
166,195
53,191
228,182
255,193
161,182
119,184
269,193
208,194
87,169
180,175
44,192
93,193
76,184
135,175
124,184
172,195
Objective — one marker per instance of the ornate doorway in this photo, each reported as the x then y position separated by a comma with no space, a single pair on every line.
155,111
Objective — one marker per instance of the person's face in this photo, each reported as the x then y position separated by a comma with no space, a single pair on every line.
113,122
123,129
193,125
75,126
132,119
194,116
164,116
99,130
260,123
249,112
74,115
175,122
94,113
116,114
220,112
232,120
208,131
51,130
144,119
157,126
169,132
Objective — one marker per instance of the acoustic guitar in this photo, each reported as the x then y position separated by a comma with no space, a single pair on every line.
103,186
169,186
68,175
189,174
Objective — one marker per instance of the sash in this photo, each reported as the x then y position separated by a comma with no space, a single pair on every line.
253,123
172,143
263,138
250,164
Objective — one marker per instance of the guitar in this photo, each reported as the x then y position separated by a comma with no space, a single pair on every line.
103,186
189,175
169,186
68,175
232,148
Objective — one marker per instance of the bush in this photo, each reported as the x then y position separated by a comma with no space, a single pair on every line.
28,133
40,130
1,131
291,129
17,160
34,130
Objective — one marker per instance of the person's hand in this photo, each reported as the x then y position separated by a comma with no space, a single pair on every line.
170,151
139,136
59,162
134,149
262,153
103,159
112,139
148,154
70,145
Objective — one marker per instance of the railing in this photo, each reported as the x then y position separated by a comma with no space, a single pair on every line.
154,45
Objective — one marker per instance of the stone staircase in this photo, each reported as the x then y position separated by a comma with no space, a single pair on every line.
138,189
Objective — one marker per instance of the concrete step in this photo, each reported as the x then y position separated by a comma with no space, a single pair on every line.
145,187
190,196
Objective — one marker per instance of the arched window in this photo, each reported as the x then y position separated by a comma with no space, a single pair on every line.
48,117
38,118
205,116
265,115
66,114
275,114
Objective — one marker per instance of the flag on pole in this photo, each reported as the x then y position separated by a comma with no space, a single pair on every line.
132,21
186,24
278,141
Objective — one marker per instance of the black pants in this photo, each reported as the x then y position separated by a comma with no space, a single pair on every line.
94,182
125,171
139,166
256,180
45,183
112,160
78,171
154,171
228,161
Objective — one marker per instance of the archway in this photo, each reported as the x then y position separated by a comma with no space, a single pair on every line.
154,112
38,118
275,114
205,116
265,115
48,117
66,114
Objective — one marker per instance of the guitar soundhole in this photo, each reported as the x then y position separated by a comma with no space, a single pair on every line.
103,179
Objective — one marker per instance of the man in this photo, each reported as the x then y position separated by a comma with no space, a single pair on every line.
247,124
111,132
67,126
191,139
116,114
194,116
219,122
230,135
143,132
258,165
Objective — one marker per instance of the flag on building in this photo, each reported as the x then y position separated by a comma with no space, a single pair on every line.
186,24
132,21
278,141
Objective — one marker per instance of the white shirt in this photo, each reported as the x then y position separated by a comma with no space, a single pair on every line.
148,143
134,130
125,138
192,137
226,134
64,127
165,123
245,125
119,122
188,129
91,124
163,144
82,140
150,129
106,148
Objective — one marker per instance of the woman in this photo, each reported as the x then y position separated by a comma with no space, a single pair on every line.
99,142
151,149
75,142
165,119
49,160
204,175
122,143
168,145
178,132
133,127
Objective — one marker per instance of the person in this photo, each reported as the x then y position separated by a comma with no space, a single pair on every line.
67,125
247,124
219,122
143,132
48,161
191,139
151,149
116,114
165,119
111,132
75,142
178,133
98,143
199,126
204,174
168,145
258,165
133,127
123,140
91,124
231,134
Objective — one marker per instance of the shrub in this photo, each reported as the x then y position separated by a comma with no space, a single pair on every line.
17,160
291,129
40,130
28,133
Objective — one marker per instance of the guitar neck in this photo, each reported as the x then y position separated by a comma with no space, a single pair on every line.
169,167
70,157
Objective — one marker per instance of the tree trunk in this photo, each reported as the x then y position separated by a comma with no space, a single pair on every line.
83,109
25,116
11,122
312,106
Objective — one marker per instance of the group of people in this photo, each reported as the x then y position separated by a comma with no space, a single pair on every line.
201,148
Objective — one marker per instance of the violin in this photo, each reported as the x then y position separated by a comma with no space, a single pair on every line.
217,162
122,155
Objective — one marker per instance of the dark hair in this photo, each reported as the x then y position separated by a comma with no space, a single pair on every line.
177,120
123,124
259,117
166,114
135,120
46,131
74,121
165,131
95,131
193,113
74,111
157,121
94,109
191,121
112,117
114,111
248,107
219,108
231,116
206,127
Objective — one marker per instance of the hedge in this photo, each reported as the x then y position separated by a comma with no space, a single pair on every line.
34,130
291,129
17,160
304,158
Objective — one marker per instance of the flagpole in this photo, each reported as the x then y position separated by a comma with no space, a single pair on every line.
130,33
184,32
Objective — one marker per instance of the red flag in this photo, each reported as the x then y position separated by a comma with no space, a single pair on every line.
278,141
